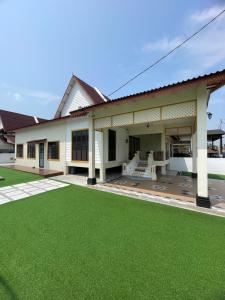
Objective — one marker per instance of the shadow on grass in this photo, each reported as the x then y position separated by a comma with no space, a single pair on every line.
8,289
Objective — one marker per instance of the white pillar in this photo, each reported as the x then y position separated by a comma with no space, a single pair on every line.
163,148
91,153
102,165
194,154
202,169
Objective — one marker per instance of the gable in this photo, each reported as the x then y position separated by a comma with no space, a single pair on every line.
76,99
78,95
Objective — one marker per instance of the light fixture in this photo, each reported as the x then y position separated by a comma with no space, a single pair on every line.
209,114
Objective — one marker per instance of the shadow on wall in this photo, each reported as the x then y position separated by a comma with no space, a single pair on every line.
4,285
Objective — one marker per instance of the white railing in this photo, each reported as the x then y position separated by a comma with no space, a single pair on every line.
128,168
152,166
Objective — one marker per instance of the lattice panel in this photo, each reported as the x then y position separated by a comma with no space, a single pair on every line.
103,123
176,111
121,120
149,115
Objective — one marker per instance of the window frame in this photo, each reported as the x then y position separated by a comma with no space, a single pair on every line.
28,154
49,158
17,151
74,143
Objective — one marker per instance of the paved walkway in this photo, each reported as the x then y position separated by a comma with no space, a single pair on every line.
23,190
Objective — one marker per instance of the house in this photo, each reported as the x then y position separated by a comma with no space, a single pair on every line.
140,132
214,135
8,121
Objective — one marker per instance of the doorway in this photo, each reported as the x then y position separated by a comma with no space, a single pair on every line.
41,155
134,146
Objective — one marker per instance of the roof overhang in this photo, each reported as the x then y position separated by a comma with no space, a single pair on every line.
211,81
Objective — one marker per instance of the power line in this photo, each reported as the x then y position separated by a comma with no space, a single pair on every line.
167,54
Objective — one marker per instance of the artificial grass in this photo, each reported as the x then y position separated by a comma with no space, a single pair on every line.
78,243
210,176
13,177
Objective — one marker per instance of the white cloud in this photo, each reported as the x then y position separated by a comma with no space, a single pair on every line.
16,96
206,14
203,52
20,94
163,44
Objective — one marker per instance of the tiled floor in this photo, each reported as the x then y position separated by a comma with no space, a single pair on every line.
23,190
178,187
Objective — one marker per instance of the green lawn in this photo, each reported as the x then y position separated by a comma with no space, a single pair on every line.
210,176
77,243
14,177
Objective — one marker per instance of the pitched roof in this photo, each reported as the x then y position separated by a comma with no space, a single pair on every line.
212,80
97,97
215,132
91,91
12,120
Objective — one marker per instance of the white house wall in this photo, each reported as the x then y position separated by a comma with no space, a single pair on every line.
121,148
215,165
51,132
150,142
1,125
77,98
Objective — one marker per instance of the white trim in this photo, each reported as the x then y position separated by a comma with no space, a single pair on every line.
100,94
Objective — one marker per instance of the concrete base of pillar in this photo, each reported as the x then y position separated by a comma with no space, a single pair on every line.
194,175
91,181
203,201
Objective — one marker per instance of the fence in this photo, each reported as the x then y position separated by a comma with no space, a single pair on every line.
215,165
7,158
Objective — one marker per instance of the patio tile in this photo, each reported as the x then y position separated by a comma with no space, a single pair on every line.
51,188
23,190
3,201
19,196
6,188
35,192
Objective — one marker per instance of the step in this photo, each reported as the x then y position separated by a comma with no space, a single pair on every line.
140,169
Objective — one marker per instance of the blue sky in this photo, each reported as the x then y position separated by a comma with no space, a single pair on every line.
105,43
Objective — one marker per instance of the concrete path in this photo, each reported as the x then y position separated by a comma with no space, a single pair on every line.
24,190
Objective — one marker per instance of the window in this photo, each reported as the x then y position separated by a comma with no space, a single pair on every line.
19,150
31,150
53,150
80,145
112,145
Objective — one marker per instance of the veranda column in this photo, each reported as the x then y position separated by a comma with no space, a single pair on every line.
91,153
202,170
194,155
102,165
163,148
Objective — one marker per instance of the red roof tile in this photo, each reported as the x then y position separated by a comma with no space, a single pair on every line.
90,91
12,120
209,79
